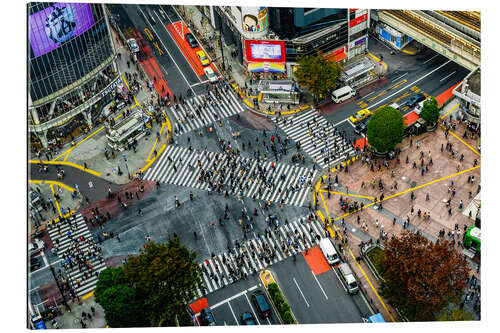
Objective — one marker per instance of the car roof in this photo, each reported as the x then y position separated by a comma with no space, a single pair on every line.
200,52
261,299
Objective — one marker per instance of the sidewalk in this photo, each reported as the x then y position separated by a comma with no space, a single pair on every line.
72,319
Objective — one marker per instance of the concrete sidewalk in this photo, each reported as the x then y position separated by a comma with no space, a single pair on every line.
72,319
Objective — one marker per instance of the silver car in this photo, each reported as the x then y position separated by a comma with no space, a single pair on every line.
132,45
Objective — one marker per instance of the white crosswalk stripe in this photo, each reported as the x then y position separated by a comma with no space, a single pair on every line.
316,134
203,110
82,279
183,167
254,252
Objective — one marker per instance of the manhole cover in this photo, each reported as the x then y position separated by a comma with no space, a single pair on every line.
413,184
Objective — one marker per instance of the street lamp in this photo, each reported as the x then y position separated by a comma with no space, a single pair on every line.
126,165
59,287
220,43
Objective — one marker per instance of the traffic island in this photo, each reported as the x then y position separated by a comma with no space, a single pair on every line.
279,303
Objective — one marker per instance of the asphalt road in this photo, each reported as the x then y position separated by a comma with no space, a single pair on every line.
316,300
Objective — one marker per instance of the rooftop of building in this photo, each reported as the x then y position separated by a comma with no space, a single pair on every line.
474,82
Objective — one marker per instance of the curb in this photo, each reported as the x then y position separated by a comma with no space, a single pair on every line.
265,271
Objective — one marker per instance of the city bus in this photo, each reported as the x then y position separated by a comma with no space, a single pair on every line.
472,239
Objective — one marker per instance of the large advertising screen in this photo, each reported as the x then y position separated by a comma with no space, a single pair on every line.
51,27
269,51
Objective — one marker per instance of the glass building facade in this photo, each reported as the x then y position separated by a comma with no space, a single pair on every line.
70,60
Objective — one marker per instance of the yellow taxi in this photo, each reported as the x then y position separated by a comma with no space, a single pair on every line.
203,58
360,115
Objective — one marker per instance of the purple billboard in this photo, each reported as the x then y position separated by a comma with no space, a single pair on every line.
51,27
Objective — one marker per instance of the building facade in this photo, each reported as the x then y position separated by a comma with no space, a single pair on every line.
469,94
71,69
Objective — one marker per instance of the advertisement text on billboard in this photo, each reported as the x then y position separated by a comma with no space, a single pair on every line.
261,50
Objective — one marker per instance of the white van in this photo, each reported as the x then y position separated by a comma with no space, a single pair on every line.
342,94
349,279
419,107
331,255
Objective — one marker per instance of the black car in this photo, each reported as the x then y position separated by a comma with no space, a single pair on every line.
248,319
207,317
191,40
34,264
262,305
415,99
362,126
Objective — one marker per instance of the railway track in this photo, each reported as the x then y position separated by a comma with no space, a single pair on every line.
469,19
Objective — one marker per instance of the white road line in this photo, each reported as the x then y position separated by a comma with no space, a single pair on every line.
253,311
320,287
366,302
197,84
447,76
430,59
410,84
44,257
232,297
399,77
231,308
166,49
343,121
338,277
300,292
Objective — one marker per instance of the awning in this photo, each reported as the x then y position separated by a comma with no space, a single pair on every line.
273,67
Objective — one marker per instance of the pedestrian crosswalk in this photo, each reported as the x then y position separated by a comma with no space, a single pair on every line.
282,183
81,256
252,255
202,110
317,137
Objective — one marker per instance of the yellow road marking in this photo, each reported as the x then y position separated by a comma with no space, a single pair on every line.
144,168
36,181
135,99
400,97
350,195
158,48
398,84
90,294
64,186
74,165
148,33
57,203
320,214
447,113
88,137
364,274
156,141
465,143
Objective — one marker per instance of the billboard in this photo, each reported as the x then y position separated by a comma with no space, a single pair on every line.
358,20
254,19
51,27
265,50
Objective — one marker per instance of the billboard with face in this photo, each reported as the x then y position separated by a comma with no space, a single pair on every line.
254,19
51,27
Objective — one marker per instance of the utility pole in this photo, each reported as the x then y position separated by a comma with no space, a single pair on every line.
220,42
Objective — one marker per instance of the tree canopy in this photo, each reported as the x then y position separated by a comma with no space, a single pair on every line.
422,278
161,280
385,129
317,74
456,315
430,111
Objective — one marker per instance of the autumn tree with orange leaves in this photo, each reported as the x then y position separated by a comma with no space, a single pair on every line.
421,277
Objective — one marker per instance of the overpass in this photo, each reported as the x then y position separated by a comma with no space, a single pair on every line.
454,34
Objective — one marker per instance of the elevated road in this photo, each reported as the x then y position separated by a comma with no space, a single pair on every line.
435,34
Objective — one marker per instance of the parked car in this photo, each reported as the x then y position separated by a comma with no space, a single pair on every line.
415,99
191,40
360,115
207,317
132,45
248,319
362,126
34,264
203,58
35,247
262,305
209,72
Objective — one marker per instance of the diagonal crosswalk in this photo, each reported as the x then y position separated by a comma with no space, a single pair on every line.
202,110
317,137
253,254
81,256
238,175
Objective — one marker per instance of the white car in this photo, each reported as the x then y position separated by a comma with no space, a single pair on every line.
211,74
132,45
35,247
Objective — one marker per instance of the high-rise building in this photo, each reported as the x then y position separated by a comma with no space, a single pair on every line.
71,69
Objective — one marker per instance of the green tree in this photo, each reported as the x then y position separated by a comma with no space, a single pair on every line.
430,111
456,315
165,277
422,278
385,129
119,299
317,74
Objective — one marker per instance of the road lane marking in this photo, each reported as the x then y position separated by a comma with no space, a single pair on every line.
400,77
233,297
447,76
338,277
343,121
197,84
414,82
231,308
300,292
430,59
166,49
320,287
251,307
